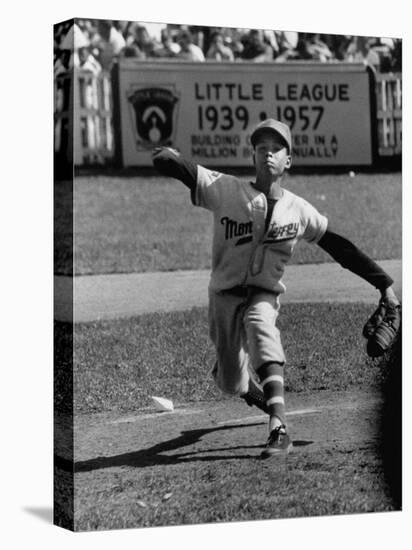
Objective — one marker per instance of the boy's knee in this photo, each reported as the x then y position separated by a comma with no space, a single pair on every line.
227,386
258,319
228,383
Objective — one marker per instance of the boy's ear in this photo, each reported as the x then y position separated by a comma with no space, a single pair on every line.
288,162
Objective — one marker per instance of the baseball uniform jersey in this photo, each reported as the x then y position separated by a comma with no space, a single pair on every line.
249,250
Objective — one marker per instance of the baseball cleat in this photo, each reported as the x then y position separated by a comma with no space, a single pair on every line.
255,397
278,443
255,400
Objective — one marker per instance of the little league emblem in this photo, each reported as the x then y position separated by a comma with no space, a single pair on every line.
153,110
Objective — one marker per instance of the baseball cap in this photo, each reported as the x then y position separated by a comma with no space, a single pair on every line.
276,126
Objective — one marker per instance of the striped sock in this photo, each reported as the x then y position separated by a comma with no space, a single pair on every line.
271,379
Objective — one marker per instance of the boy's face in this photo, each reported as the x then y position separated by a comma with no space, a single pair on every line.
271,155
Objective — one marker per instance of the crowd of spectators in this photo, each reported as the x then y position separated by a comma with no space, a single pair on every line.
96,44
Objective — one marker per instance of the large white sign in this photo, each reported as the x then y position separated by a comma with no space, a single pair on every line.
208,110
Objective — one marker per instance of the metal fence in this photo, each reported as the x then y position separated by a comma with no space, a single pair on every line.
83,117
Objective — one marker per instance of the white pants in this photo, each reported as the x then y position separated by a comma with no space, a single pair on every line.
243,330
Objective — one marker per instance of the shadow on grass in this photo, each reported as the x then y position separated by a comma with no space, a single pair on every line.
153,455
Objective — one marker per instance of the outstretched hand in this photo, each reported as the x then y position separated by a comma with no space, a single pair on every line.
389,296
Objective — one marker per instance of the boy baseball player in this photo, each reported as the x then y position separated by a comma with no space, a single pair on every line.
256,228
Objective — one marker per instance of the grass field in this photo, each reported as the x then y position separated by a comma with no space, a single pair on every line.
309,483
144,475
142,224
138,475
120,364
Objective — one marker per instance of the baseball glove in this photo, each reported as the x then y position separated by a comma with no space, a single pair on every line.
381,328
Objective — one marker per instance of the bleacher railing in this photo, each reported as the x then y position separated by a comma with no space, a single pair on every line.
389,113
83,114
